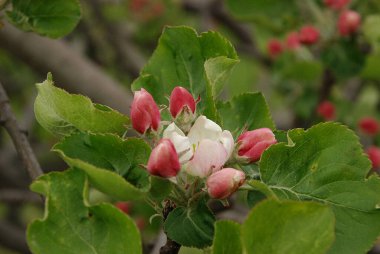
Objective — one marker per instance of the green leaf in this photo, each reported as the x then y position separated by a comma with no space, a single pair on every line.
70,226
160,188
62,113
248,111
50,18
112,164
199,63
344,58
327,164
371,67
227,238
302,71
191,226
371,30
288,227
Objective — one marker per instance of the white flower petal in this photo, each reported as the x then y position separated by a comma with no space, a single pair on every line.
180,141
204,128
228,142
209,157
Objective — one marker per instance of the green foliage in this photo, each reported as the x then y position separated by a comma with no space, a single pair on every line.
191,226
49,18
326,164
227,238
62,113
71,226
112,164
371,67
198,63
248,111
371,30
288,227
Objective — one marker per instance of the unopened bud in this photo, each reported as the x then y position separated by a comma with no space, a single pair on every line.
369,125
374,155
336,4
223,183
163,160
308,35
348,23
144,112
292,41
326,110
274,47
252,144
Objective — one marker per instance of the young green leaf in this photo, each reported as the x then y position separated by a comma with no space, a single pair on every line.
109,160
327,164
227,238
62,113
191,226
248,111
200,63
71,226
288,227
45,17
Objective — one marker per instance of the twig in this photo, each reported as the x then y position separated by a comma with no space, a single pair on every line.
15,196
328,81
13,237
9,122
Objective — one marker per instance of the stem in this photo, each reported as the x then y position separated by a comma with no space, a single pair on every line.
9,122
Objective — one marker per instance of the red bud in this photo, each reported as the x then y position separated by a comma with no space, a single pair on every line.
348,23
326,110
144,112
336,4
274,47
308,35
163,160
223,183
252,144
181,100
374,155
123,206
369,125
292,41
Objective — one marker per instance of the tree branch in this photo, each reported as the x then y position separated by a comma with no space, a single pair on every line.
8,120
13,237
15,196
71,70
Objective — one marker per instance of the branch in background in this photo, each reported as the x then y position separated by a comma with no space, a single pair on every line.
13,237
71,70
328,81
15,196
127,55
219,13
8,120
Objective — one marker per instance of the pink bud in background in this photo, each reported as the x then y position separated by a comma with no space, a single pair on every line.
223,183
144,112
252,144
292,41
369,125
348,23
374,155
163,160
274,47
336,4
181,100
123,206
308,35
326,110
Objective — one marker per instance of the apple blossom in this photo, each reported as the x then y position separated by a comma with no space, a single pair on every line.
274,47
374,155
252,144
349,22
223,183
144,112
163,160
308,35
369,125
326,110
181,101
181,142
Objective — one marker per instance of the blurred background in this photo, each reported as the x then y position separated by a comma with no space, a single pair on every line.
307,76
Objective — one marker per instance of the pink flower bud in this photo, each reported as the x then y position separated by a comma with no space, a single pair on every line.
326,110
181,101
223,183
144,112
336,4
374,155
125,207
163,160
274,48
252,144
348,23
292,41
369,125
308,35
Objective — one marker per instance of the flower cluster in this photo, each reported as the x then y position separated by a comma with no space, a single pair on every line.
194,147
